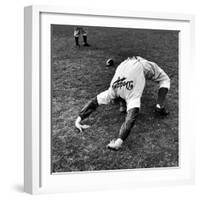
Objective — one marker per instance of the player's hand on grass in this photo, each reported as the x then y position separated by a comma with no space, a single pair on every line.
79,126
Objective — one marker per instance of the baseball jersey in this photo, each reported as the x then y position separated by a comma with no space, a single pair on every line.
129,80
79,30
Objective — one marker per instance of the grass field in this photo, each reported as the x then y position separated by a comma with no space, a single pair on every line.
78,74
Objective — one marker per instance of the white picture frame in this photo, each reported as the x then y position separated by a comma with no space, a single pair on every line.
37,175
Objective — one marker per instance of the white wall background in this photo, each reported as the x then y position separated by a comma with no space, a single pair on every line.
11,101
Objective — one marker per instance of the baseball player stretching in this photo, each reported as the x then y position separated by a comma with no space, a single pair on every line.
128,84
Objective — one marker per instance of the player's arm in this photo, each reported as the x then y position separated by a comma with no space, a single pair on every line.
102,98
128,123
85,112
125,129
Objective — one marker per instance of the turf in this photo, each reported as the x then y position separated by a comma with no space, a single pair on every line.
78,74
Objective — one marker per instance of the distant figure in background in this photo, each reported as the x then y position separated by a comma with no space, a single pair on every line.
80,31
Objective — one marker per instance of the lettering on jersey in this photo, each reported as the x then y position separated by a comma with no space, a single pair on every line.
122,82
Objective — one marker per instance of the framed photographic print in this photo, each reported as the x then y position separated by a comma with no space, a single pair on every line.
107,104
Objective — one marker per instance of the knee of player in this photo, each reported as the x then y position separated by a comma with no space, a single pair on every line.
168,79
165,83
168,82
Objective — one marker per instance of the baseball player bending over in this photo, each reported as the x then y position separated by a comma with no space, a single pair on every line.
128,84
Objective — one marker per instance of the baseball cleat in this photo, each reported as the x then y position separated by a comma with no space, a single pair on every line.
161,111
86,45
113,145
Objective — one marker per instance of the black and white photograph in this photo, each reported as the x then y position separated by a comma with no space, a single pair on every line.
114,98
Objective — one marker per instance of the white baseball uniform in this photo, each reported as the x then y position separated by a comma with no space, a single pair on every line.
129,81
79,30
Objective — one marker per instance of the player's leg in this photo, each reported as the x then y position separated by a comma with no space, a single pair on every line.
76,36
160,109
85,43
162,93
164,81
77,41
